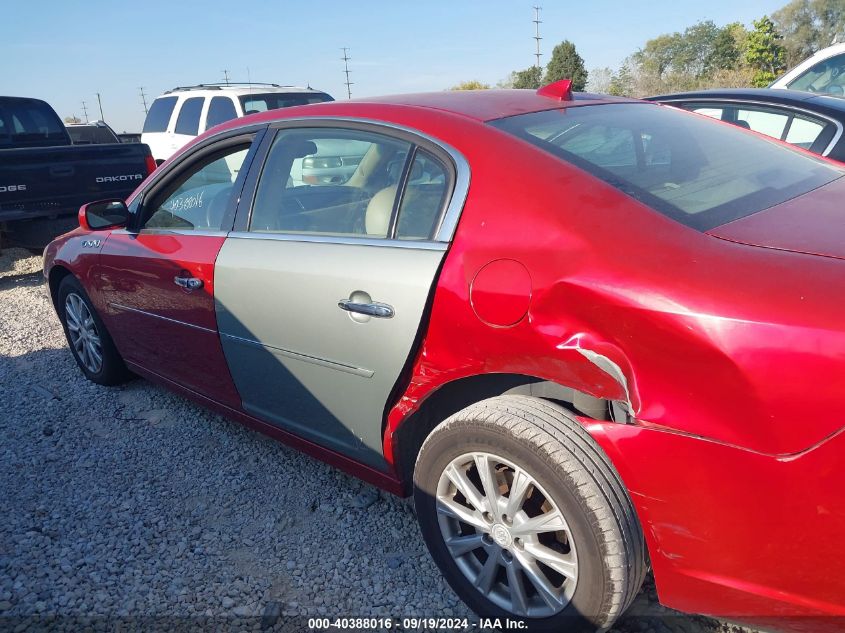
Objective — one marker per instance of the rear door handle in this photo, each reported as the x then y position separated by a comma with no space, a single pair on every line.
374,309
188,283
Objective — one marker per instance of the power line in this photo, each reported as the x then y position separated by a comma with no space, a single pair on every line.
537,38
143,99
346,59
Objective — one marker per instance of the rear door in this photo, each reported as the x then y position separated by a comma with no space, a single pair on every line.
187,126
322,288
156,279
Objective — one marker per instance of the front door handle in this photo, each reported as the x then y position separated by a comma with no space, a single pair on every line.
374,309
188,283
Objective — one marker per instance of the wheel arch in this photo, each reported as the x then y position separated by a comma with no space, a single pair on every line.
453,396
56,275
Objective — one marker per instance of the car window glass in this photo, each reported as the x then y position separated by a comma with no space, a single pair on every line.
159,115
827,76
763,121
713,113
189,116
804,132
220,109
422,199
328,182
699,173
199,198
262,102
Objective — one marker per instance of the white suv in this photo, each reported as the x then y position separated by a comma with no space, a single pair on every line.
824,72
183,113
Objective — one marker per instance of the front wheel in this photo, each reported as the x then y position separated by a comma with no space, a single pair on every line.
527,518
87,337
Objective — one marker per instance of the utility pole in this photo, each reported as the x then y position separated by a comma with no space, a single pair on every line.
346,59
85,111
143,99
102,118
226,76
537,38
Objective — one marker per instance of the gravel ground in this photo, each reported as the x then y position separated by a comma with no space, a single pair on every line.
131,501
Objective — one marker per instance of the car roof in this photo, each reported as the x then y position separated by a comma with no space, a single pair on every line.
767,95
480,105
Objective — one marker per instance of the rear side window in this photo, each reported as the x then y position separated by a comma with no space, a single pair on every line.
159,115
274,100
189,117
29,123
693,170
220,110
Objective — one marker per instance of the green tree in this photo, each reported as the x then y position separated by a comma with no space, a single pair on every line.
622,81
728,45
472,84
809,25
566,63
765,52
531,77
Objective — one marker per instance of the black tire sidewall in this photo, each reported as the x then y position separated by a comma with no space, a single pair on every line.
113,370
443,448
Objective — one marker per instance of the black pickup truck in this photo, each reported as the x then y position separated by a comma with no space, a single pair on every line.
44,178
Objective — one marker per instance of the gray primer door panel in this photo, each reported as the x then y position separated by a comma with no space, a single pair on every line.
300,361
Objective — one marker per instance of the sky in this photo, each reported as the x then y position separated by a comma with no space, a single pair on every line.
67,52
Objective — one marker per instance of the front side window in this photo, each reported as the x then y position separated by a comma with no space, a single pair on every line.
329,182
828,76
220,110
693,170
198,199
159,115
189,116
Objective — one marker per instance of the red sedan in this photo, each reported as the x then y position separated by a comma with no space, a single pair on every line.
589,335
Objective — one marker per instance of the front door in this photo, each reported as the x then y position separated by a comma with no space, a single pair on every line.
320,297
157,277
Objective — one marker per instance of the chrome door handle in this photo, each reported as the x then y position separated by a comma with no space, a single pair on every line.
379,310
188,283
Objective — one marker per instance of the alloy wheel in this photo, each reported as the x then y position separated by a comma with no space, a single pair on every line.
507,535
83,333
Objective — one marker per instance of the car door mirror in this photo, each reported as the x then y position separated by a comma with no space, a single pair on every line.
103,214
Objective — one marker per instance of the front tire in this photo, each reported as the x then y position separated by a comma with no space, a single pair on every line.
87,337
527,518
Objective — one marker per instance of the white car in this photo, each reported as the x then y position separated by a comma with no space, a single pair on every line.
824,72
181,114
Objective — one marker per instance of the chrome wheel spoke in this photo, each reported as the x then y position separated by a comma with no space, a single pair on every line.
561,563
541,582
487,472
548,522
516,586
487,575
520,487
83,334
455,510
460,545
466,487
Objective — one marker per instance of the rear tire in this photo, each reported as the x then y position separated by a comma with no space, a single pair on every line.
579,571
89,341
